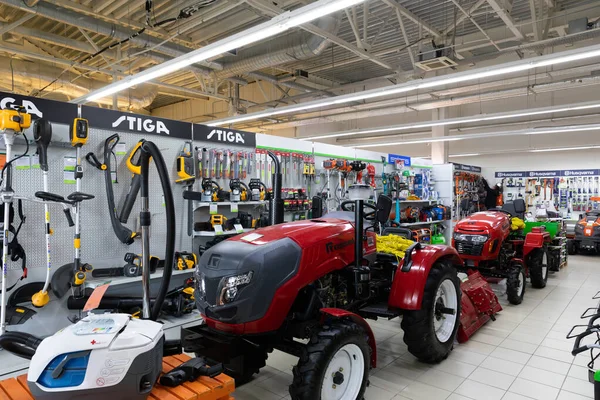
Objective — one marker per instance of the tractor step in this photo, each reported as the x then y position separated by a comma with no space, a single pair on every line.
378,310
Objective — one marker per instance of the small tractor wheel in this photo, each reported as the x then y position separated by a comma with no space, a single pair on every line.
515,284
538,268
251,366
429,332
334,365
572,247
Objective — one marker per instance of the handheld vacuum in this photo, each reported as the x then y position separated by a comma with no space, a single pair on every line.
107,356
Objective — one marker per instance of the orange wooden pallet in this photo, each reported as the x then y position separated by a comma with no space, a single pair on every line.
204,388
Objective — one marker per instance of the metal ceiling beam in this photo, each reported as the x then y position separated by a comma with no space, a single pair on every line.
413,17
9,27
273,10
505,16
405,36
354,27
534,22
463,17
457,4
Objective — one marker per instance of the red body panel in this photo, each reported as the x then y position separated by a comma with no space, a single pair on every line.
535,240
479,304
339,314
408,287
327,246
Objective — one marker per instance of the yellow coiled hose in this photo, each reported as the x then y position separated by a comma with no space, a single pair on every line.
393,244
516,224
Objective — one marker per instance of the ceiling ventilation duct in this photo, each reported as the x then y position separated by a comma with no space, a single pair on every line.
433,57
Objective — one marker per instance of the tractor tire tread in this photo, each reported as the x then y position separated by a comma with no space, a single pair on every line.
512,284
536,274
312,363
417,325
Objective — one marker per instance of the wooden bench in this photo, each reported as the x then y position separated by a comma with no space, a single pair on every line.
204,388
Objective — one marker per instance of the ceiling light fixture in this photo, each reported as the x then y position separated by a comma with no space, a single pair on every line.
563,149
532,131
459,77
275,26
465,155
462,120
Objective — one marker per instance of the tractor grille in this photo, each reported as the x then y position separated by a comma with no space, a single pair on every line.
469,249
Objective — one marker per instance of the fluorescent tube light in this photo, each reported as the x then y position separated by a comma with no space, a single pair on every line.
563,149
459,77
275,26
462,120
465,155
533,131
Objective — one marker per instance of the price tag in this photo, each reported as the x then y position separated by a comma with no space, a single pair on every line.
238,228
212,208
113,176
234,207
35,162
69,163
121,149
69,177
23,163
218,230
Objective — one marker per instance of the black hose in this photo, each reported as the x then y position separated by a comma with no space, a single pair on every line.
150,150
20,344
124,234
276,203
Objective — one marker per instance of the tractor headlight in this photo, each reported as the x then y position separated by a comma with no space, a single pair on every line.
465,237
229,287
200,286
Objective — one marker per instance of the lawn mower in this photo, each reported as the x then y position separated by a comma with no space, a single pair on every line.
587,234
306,287
489,242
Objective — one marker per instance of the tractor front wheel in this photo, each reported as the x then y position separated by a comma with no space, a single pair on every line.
572,247
538,268
334,364
429,332
515,284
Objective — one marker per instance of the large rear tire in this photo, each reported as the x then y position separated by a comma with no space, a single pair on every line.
538,268
515,284
334,365
429,332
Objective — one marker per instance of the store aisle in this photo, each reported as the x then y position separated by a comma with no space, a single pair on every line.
522,355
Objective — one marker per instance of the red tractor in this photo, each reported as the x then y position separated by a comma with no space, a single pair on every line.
486,242
306,287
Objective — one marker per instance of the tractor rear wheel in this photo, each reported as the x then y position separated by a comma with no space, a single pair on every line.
572,247
538,268
334,364
515,284
429,332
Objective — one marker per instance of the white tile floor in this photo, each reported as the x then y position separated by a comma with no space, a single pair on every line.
523,355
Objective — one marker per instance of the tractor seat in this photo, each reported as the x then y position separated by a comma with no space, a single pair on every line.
77,197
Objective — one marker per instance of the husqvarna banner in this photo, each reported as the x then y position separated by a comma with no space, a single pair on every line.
112,120
224,136
548,174
53,111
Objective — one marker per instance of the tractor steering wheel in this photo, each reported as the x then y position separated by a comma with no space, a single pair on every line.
349,207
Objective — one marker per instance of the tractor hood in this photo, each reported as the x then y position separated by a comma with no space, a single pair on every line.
484,222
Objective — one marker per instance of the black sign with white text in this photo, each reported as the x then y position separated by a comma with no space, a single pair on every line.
101,118
234,137
53,111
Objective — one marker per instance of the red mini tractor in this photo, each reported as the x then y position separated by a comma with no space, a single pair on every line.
305,288
485,242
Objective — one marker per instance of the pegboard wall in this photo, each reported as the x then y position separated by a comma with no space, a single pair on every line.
99,245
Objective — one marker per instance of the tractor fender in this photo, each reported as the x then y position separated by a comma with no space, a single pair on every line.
534,240
338,313
408,287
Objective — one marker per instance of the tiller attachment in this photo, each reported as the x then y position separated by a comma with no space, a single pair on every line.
479,305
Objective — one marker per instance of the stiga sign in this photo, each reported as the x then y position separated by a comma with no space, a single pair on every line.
234,137
101,118
469,168
393,157
53,111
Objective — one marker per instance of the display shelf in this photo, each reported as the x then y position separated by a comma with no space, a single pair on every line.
225,233
418,201
229,203
120,280
422,223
